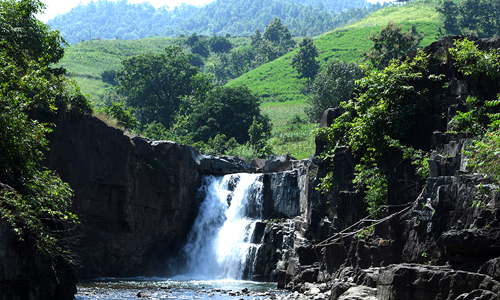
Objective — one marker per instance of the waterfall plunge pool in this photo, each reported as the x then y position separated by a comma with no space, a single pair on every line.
220,245
162,288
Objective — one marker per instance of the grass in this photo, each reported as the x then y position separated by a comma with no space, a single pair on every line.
86,61
277,81
287,136
283,94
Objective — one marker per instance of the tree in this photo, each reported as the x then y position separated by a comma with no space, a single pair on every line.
375,123
32,198
331,87
220,44
305,60
154,83
256,38
391,43
279,35
226,110
201,47
449,10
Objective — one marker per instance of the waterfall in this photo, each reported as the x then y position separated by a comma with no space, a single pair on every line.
219,243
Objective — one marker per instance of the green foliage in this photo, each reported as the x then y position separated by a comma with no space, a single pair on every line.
374,122
472,62
369,178
332,86
365,233
32,199
279,35
154,83
484,154
449,10
226,110
122,20
304,61
391,43
125,117
109,76
259,133
220,44
473,120
475,17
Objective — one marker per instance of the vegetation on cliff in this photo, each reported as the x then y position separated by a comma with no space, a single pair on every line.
32,198
378,120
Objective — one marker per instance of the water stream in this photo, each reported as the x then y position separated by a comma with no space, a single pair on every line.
217,254
219,243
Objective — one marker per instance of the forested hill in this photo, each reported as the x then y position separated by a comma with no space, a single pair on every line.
105,19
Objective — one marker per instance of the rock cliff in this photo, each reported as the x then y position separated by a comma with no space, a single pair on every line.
439,241
135,197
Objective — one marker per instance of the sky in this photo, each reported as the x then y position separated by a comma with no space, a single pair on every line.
55,7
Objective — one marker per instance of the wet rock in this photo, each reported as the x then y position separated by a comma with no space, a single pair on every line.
143,295
278,163
359,293
478,295
409,281
338,288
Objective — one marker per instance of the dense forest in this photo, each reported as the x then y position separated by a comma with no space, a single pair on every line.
479,18
121,20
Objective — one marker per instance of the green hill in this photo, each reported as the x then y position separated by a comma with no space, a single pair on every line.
86,61
284,95
278,81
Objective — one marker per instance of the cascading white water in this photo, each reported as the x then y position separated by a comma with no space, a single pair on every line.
219,242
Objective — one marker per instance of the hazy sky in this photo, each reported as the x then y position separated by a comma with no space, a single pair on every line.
55,7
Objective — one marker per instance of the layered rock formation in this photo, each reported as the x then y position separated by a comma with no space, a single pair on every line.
135,198
440,241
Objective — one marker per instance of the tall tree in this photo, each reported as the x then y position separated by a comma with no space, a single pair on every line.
279,35
32,198
153,84
449,10
226,110
332,86
305,60
391,43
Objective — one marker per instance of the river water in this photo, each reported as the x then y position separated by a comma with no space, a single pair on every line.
158,288
218,247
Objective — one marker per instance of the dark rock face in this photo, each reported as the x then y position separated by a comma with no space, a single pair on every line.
27,274
441,241
135,198
426,282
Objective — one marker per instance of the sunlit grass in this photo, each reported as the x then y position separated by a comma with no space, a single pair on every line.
289,137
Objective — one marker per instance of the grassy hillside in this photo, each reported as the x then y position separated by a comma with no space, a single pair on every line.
283,94
278,81
86,61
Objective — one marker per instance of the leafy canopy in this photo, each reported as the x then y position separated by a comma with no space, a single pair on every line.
305,60
332,86
475,17
375,121
391,43
154,83
226,110
31,197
